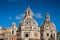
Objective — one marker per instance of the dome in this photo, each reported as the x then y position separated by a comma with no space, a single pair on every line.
48,24
30,22
48,29
28,19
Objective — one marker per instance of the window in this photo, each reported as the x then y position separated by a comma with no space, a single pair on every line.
42,27
41,35
35,34
47,26
29,12
27,27
42,39
27,22
47,34
18,39
26,35
54,34
48,39
30,27
12,32
34,28
34,22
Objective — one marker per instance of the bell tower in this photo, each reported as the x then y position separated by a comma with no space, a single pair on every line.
13,32
13,29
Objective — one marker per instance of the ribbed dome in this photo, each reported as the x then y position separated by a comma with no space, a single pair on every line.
28,19
48,25
29,22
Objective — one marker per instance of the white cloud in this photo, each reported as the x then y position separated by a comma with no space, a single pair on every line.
18,17
38,15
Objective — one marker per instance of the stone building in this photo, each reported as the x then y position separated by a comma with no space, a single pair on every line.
13,32
4,33
13,29
28,29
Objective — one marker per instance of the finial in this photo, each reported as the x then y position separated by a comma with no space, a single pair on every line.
28,7
47,17
13,23
47,13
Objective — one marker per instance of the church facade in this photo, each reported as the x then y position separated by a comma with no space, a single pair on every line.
28,29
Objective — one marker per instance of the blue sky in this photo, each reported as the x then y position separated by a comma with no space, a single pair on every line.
14,10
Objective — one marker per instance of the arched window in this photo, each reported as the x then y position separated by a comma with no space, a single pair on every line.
41,35
27,22
12,32
26,35
54,34
34,22
47,26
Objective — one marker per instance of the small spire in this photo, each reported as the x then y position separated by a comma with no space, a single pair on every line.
47,17
47,13
28,7
13,23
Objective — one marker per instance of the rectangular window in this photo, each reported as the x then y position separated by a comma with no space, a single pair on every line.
35,34
54,34
47,34
41,35
12,32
